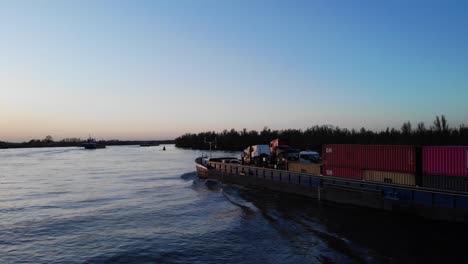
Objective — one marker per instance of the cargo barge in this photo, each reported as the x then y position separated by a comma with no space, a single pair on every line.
398,182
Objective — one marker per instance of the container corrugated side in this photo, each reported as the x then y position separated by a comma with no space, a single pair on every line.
389,158
304,167
454,183
349,173
371,157
390,177
445,161
342,155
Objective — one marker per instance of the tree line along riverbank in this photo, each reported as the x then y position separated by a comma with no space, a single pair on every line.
439,133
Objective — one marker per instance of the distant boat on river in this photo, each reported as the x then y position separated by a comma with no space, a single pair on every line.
92,144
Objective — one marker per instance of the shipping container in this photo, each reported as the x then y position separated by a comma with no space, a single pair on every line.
445,161
454,183
371,157
304,167
342,172
390,177
389,158
346,156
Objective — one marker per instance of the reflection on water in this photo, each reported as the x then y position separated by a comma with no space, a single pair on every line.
143,205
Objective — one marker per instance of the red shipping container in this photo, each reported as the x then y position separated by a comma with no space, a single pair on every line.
337,155
445,161
342,172
371,157
389,158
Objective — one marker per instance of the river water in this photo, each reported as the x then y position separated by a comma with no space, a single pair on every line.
130,204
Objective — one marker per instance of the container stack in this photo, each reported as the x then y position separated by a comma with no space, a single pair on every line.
389,164
445,168
344,161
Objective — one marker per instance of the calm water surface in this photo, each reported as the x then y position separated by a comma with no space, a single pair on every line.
143,205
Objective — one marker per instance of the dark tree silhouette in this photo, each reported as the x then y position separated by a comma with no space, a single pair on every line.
406,128
437,125
314,137
48,139
444,124
421,128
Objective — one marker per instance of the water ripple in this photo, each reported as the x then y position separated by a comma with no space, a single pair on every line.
137,205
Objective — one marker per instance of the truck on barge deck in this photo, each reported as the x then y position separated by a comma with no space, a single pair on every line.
430,203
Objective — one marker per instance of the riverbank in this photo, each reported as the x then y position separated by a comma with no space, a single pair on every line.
36,144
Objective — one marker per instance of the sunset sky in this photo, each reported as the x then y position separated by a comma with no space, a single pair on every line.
158,69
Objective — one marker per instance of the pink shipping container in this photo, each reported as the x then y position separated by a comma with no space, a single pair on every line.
445,161
371,157
342,172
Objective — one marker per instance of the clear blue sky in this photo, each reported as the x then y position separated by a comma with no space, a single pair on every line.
158,69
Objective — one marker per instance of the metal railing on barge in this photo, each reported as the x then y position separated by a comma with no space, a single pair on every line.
404,193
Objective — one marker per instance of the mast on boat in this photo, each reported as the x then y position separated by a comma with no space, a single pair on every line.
211,143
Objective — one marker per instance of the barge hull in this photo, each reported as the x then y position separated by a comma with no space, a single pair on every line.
433,204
